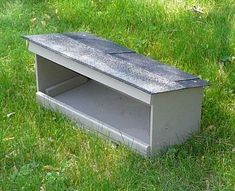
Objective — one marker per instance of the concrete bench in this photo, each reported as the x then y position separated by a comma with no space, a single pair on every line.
110,89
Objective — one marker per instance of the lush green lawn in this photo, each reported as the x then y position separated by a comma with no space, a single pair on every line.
41,150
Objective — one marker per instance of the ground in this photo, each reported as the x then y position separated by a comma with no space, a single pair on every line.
42,150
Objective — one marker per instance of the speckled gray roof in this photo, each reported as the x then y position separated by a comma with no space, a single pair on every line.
117,61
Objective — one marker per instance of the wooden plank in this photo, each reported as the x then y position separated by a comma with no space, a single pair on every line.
66,85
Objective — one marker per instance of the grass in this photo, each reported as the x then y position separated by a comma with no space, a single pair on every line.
42,150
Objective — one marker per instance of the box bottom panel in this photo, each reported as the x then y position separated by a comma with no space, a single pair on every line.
107,111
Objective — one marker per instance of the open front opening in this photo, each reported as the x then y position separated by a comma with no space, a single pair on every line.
120,112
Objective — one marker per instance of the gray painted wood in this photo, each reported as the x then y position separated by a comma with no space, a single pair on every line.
108,106
110,89
66,85
48,74
175,116
138,71
90,123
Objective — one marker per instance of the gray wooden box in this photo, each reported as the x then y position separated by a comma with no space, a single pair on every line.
112,90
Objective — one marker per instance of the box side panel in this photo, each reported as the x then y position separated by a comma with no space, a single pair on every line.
174,117
50,74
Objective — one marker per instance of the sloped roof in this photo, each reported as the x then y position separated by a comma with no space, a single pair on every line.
117,61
